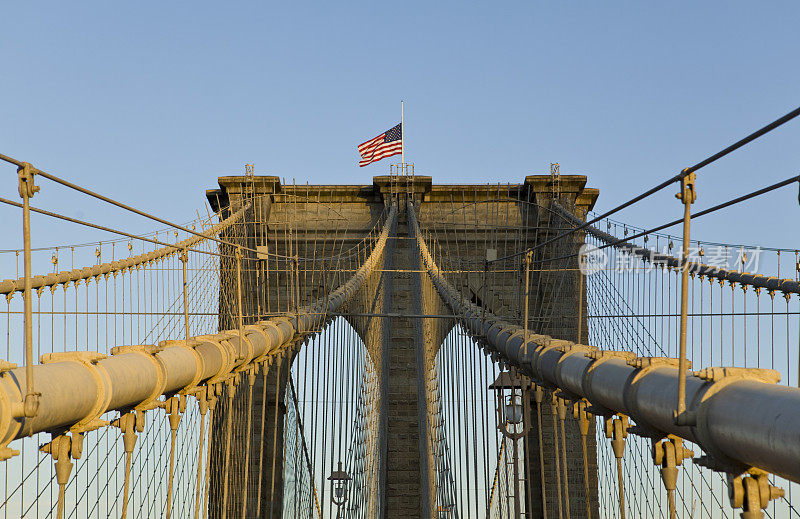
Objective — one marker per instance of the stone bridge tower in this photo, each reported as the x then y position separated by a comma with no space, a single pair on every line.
518,213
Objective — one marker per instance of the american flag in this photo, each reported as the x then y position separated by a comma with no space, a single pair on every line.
384,145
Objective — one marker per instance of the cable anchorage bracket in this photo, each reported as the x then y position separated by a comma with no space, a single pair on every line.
752,492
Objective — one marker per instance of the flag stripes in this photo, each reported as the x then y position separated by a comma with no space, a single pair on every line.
384,145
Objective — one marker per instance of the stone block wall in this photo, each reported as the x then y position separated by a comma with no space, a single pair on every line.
467,220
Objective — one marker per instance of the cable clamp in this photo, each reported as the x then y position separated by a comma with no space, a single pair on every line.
62,448
26,187
688,193
616,429
717,379
647,362
752,493
607,354
669,455
89,360
150,351
717,374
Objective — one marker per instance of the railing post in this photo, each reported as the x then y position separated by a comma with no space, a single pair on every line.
687,195
184,257
26,190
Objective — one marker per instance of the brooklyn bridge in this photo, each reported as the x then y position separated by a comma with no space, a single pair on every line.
399,349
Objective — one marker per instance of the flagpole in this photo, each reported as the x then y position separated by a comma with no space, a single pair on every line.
402,131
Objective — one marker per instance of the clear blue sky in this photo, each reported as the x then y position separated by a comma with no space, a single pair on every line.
150,102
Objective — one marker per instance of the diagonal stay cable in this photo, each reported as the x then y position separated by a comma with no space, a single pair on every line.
108,229
616,242
680,176
66,183
723,205
11,285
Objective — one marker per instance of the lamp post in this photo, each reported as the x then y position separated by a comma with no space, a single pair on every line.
513,418
339,483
